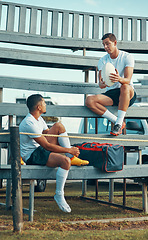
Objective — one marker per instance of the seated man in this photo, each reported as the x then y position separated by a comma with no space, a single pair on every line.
121,93
44,150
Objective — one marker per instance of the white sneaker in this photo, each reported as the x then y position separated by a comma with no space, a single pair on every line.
60,200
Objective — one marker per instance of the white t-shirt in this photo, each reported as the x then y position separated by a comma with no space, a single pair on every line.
27,143
123,60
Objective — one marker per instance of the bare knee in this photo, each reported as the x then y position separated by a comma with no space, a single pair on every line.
65,163
59,127
58,160
125,89
89,102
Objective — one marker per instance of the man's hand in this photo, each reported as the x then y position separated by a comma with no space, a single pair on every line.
74,151
102,84
114,77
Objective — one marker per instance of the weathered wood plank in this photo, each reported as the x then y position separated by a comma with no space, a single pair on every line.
95,27
125,29
76,173
44,59
106,24
143,30
33,24
142,90
0,15
75,26
11,15
51,86
44,21
22,22
70,111
54,30
60,86
116,26
85,26
77,13
134,29
65,24
71,43
125,140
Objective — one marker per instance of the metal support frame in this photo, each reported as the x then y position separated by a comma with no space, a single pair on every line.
111,190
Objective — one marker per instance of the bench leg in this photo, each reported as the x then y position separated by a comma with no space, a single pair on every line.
96,188
31,200
111,190
84,187
124,192
8,194
144,197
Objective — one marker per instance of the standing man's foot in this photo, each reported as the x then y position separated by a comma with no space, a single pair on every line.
117,130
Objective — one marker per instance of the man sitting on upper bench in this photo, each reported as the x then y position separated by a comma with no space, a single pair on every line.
121,93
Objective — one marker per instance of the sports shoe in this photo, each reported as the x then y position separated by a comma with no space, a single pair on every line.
117,130
75,161
22,162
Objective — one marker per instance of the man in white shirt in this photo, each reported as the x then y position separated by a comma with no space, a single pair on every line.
37,149
121,93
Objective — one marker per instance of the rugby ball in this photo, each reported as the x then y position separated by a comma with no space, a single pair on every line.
107,69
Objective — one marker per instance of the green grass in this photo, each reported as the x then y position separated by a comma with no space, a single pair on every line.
51,223
79,235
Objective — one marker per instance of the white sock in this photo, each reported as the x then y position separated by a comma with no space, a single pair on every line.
61,177
64,142
120,117
109,116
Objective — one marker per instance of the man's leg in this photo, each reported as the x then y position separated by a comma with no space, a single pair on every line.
97,103
126,94
63,141
63,163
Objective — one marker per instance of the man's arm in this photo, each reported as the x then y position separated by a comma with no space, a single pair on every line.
56,148
128,72
101,82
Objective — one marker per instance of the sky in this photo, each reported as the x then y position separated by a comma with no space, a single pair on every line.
115,7
126,7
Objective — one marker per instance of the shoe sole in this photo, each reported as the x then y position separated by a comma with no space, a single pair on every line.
116,134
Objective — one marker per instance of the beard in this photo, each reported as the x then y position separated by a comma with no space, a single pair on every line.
44,112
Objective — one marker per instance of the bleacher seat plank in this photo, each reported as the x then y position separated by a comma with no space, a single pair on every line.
54,60
75,173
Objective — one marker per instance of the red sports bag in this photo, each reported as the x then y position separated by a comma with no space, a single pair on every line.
105,156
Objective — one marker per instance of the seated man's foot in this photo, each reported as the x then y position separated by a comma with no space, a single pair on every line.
75,161
60,200
22,162
117,130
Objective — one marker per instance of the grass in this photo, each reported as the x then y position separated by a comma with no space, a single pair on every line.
51,223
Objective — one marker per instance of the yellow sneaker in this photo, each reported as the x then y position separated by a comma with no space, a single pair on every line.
22,162
75,161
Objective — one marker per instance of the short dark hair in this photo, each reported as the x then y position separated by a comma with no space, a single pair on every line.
111,37
33,100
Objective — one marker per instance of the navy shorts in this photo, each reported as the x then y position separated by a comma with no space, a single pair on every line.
114,94
39,157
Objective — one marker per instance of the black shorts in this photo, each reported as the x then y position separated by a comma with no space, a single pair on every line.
114,94
39,157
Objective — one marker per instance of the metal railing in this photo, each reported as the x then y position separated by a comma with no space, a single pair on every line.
60,23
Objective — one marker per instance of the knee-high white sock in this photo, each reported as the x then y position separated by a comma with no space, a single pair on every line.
64,142
109,116
120,117
61,177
